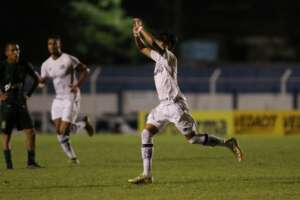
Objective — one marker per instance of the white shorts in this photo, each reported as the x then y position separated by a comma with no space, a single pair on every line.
65,109
176,113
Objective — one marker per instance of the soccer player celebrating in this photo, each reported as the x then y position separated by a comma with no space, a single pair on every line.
14,112
173,107
61,68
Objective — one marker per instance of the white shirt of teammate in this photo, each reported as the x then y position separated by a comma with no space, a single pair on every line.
57,70
165,76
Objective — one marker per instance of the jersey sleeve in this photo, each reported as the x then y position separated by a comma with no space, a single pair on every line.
44,73
154,55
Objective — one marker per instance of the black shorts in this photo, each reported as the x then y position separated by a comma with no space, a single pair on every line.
14,116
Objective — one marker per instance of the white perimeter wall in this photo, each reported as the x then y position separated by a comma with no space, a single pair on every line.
136,101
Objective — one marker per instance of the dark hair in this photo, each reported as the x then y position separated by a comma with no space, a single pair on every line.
169,38
56,37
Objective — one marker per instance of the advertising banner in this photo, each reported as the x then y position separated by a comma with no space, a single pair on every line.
240,122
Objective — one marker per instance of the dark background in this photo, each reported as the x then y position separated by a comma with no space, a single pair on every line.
246,31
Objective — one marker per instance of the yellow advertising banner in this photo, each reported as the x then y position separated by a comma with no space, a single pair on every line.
214,122
290,122
142,117
257,122
267,122
240,122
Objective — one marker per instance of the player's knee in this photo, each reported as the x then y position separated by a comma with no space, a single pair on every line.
65,130
192,140
146,134
30,133
190,137
62,131
151,128
146,137
6,138
6,134
58,132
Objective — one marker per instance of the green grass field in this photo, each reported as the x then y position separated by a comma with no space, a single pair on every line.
181,170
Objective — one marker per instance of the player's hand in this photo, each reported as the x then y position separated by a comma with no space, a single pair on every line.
41,85
7,87
3,96
137,27
74,88
137,22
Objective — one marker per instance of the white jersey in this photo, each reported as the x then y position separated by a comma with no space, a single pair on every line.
59,71
165,76
173,107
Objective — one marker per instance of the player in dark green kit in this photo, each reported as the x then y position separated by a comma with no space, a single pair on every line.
14,112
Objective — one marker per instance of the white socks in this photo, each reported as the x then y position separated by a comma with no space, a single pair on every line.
147,150
65,144
77,126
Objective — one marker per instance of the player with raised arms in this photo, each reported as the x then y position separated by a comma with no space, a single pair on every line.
61,68
173,106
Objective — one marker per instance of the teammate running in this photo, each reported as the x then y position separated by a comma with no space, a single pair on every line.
62,68
173,106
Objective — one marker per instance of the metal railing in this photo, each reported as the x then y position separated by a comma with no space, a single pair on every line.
212,81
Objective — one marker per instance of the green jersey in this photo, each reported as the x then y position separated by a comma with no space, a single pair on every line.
12,81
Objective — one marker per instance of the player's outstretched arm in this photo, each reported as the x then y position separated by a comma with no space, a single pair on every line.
139,42
153,42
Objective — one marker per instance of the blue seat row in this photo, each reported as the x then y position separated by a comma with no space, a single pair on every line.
240,79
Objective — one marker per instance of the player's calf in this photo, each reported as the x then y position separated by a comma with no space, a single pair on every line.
84,124
66,146
6,150
147,152
30,140
63,137
88,126
8,160
205,139
211,140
